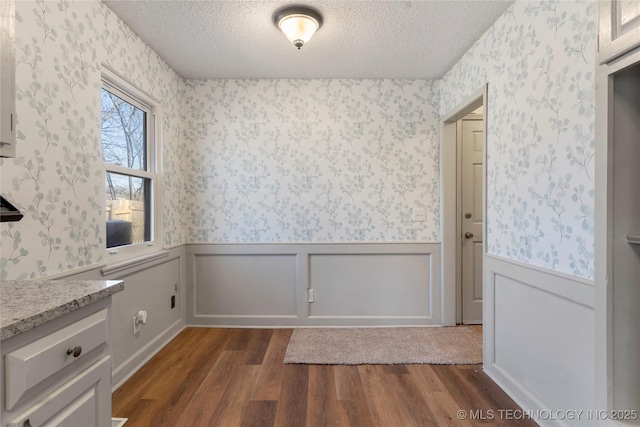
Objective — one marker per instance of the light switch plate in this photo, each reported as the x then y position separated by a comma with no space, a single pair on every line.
419,214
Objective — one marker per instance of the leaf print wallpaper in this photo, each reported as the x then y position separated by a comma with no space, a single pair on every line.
311,160
57,180
305,160
539,62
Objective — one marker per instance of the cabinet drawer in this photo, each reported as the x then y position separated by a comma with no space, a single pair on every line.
35,362
84,401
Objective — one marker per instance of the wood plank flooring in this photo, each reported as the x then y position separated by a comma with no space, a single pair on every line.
236,377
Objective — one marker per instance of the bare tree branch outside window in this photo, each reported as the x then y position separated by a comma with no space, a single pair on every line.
124,143
123,139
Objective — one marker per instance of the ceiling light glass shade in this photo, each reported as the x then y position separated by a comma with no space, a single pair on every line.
298,24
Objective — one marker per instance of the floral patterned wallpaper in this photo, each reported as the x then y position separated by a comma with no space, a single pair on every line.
57,179
539,62
311,160
305,160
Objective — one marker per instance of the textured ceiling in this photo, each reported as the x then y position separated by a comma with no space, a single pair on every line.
358,39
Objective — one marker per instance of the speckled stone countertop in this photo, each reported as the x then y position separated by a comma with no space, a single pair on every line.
27,304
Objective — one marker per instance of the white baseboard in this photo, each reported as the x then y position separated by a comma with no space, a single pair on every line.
125,370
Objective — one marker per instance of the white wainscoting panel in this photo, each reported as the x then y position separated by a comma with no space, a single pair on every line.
539,338
370,285
365,284
245,285
149,283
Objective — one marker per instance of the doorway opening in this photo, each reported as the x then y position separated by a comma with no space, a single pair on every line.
463,210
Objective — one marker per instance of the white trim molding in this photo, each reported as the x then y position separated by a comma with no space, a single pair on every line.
135,262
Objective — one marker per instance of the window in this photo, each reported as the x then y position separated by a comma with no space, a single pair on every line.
128,150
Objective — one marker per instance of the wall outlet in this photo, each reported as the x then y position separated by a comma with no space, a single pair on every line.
173,301
136,325
310,295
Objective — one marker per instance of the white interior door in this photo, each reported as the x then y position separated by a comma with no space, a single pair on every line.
472,229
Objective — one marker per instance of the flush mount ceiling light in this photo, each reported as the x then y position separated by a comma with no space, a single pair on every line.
298,23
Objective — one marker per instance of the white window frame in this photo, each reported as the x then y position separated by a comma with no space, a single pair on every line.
116,84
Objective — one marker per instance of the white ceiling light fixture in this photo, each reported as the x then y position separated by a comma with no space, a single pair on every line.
298,23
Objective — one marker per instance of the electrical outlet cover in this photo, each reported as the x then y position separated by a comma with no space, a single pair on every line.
136,325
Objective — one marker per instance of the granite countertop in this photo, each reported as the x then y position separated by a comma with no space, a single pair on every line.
27,304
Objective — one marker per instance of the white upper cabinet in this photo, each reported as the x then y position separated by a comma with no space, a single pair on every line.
619,28
7,79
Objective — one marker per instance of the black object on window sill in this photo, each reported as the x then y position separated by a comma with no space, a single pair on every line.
118,233
8,212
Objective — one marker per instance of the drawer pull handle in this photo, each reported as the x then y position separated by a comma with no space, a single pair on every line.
75,351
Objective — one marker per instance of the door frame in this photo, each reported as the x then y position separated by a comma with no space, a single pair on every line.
604,309
449,161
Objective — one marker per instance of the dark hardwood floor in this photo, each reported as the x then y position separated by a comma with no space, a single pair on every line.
236,377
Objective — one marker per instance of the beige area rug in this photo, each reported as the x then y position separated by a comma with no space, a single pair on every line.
385,346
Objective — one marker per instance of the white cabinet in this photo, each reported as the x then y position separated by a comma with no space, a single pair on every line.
33,363
619,28
7,79
59,373
75,404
